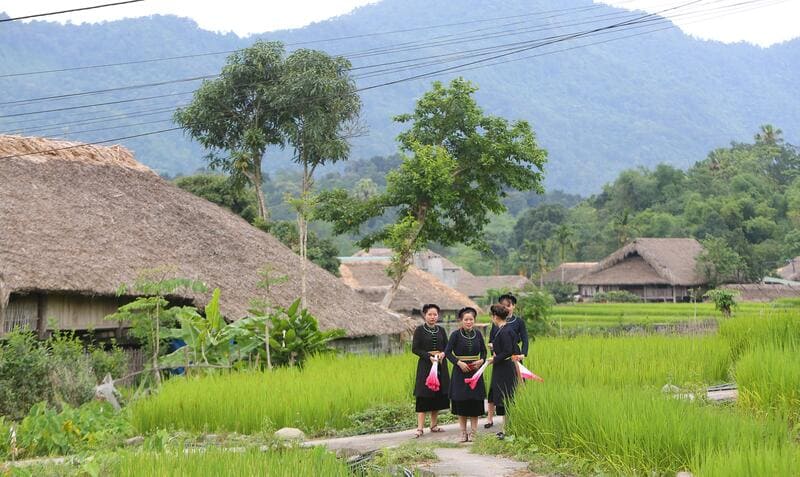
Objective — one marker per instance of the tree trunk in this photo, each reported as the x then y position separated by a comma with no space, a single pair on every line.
156,340
405,254
256,178
302,230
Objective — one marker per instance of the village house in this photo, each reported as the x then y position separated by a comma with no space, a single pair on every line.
655,269
473,286
568,272
77,221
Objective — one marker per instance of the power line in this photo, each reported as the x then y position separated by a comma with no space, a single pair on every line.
47,14
107,103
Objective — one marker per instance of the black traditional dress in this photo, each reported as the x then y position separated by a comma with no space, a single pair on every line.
504,372
466,346
430,339
516,324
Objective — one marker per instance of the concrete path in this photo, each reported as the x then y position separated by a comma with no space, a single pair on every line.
371,442
458,461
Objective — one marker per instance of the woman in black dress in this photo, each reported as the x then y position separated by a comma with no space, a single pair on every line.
518,325
467,351
429,342
506,354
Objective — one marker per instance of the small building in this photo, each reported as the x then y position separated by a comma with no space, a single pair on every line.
77,221
454,276
655,269
367,276
568,272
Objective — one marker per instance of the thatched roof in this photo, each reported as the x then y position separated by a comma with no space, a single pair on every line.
569,272
86,219
791,271
649,261
763,292
478,285
416,289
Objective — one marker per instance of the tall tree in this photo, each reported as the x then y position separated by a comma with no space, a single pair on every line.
457,165
235,117
321,110
565,238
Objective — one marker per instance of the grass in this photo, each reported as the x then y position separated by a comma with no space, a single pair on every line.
216,462
633,431
769,382
755,461
631,360
321,397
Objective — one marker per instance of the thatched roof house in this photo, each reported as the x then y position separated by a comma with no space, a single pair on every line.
569,272
763,291
76,221
367,276
474,286
652,268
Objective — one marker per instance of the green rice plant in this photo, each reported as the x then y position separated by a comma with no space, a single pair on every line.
773,327
754,461
630,431
769,382
222,463
631,360
321,396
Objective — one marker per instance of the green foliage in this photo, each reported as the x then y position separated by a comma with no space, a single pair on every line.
535,306
717,262
24,374
45,431
724,300
616,296
71,374
561,292
222,190
321,251
295,336
113,361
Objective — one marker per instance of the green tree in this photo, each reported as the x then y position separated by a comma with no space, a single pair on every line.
321,107
565,238
718,262
236,117
458,163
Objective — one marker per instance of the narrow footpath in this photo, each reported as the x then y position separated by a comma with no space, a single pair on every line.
453,461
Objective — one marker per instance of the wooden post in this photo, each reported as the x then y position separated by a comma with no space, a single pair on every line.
41,320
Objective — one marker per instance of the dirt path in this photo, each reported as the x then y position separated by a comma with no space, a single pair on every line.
452,460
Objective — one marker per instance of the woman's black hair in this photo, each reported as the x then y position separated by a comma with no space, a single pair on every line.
428,306
509,297
499,311
467,309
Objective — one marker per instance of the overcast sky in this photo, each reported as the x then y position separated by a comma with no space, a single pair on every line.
771,22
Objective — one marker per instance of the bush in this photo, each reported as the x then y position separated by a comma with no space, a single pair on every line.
724,300
619,296
24,374
113,362
71,374
562,292
535,306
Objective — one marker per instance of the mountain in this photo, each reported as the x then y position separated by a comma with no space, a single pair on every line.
597,109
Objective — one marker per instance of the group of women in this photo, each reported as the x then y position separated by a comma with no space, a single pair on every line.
467,351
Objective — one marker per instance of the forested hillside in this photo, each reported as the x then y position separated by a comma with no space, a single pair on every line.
597,109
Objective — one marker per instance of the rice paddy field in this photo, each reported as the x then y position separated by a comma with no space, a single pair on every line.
601,402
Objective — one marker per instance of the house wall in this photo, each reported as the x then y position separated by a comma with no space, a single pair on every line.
645,292
66,312
380,344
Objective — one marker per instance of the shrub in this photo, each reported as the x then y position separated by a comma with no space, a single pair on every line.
562,292
724,300
617,296
71,375
535,307
24,374
113,362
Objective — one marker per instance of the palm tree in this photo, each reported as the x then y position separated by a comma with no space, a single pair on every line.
564,236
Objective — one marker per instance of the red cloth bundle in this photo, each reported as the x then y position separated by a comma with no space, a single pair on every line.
432,382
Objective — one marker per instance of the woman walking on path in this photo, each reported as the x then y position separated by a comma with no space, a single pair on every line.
506,354
518,325
467,351
429,343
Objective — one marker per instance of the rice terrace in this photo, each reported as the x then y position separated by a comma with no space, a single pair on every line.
400,238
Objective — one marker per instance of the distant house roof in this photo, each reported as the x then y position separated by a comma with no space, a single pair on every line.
83,219
568,272
764,292
462,280
791,271
478,285
649,261
368,277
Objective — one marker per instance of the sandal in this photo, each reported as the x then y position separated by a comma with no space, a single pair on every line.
436,429
471,436
501,435
464,436
418,433
488,425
